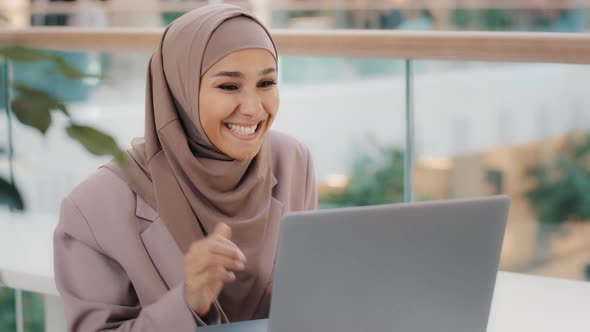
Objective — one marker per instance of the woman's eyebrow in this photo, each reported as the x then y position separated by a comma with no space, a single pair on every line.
237,74
228,74
268,71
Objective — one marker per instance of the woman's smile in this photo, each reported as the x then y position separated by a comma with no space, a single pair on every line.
242,131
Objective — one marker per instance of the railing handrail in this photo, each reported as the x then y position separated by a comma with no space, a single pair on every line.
109,7
429,4
162,6
431,45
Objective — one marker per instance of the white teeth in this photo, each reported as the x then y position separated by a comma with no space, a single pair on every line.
244,131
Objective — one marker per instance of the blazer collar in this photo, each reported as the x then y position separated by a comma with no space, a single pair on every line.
144,210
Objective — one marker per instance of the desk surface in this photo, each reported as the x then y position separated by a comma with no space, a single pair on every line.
521,302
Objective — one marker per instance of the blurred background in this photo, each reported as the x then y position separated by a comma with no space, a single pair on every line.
480,128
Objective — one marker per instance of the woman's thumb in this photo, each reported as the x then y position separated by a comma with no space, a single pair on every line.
223,229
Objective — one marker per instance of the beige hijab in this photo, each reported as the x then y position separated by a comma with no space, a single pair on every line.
175,168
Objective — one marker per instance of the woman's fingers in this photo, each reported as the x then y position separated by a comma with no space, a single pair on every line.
217,244
216,274
228,248
221,261
212,252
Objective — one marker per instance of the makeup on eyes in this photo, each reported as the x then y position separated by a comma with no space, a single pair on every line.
234,86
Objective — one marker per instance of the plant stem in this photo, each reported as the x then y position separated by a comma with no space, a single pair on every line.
7,77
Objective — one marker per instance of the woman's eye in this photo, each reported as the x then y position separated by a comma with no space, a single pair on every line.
266,84
228,87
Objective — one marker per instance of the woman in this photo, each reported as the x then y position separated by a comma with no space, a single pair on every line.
185,233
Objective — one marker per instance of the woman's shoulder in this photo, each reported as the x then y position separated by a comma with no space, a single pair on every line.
97,208
284,146
103,188
291,159
293,169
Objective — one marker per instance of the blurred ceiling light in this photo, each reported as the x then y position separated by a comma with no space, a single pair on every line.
443,164
337,181
509,246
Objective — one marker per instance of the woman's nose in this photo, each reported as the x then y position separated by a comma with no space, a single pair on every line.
251,105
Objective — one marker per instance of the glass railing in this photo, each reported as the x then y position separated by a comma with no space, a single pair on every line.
478,15
515,129
382,127
548,16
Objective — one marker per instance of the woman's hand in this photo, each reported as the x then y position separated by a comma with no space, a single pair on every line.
208,264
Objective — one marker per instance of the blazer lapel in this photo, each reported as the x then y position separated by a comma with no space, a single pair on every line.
160,245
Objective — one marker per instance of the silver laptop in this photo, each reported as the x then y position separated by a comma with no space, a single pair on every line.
415,267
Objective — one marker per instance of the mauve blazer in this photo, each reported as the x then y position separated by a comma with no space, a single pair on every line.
118,268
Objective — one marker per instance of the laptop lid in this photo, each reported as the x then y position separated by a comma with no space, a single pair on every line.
403,267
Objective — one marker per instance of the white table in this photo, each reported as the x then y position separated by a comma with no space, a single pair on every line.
539,304
26,252
521,302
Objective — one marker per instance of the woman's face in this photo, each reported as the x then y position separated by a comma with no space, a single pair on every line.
238,101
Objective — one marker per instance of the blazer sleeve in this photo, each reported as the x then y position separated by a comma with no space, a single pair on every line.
311,193
96,291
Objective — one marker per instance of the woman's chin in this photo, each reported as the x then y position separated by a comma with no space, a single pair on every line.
241,153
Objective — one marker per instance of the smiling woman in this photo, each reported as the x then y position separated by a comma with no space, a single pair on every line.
184,234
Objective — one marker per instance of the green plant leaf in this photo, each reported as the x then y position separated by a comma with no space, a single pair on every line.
33,107
68,71
24,54
63,109
376,178
563,186
95,141
30,114
10,196
31,55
